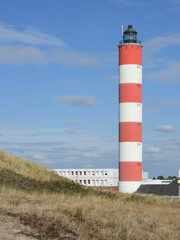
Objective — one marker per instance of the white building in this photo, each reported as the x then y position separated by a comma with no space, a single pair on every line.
106,178
91,177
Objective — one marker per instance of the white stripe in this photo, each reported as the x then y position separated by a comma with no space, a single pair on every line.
130,152
130,112
128,187
130,73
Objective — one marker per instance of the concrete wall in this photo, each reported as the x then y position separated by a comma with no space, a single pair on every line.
170,189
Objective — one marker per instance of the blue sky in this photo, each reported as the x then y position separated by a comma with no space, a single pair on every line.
59,81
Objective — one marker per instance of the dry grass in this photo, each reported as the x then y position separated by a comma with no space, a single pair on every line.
61,216
92,215
26,168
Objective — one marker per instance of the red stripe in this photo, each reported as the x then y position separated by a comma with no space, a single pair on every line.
130,132
130,54
130,171
130,92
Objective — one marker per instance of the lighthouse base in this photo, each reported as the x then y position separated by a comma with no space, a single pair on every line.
128,186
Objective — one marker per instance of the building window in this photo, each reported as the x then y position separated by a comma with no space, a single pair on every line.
89,181
97,173
106,173
101,173
80,172
72,173
84,172
84,181
105,182
88,173
76,173
93,173
97,182
80,181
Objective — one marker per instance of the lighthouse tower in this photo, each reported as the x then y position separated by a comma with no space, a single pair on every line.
130,112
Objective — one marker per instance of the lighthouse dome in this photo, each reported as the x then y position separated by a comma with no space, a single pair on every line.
130,35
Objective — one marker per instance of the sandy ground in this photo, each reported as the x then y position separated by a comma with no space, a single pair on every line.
12,229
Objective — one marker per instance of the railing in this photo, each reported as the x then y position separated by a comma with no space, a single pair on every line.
130,41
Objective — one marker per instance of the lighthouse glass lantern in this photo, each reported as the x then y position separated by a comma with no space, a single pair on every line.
130,35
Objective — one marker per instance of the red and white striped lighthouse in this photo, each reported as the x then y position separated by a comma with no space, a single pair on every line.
130,112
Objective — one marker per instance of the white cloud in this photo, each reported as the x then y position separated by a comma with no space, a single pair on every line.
154,45
157,105
112,77
71,58
73,121
131,2
152,107
89,165
16,48
170,73
47,161
89,155
169,70
23,55
38,156
28,36
153,149
70,131
144,2
173,101
77,100
164,128
157,14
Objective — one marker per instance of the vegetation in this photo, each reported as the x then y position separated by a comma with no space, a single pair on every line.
160,177
163,178
171,178
52,207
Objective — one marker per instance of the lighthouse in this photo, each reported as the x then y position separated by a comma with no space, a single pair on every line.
130,111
